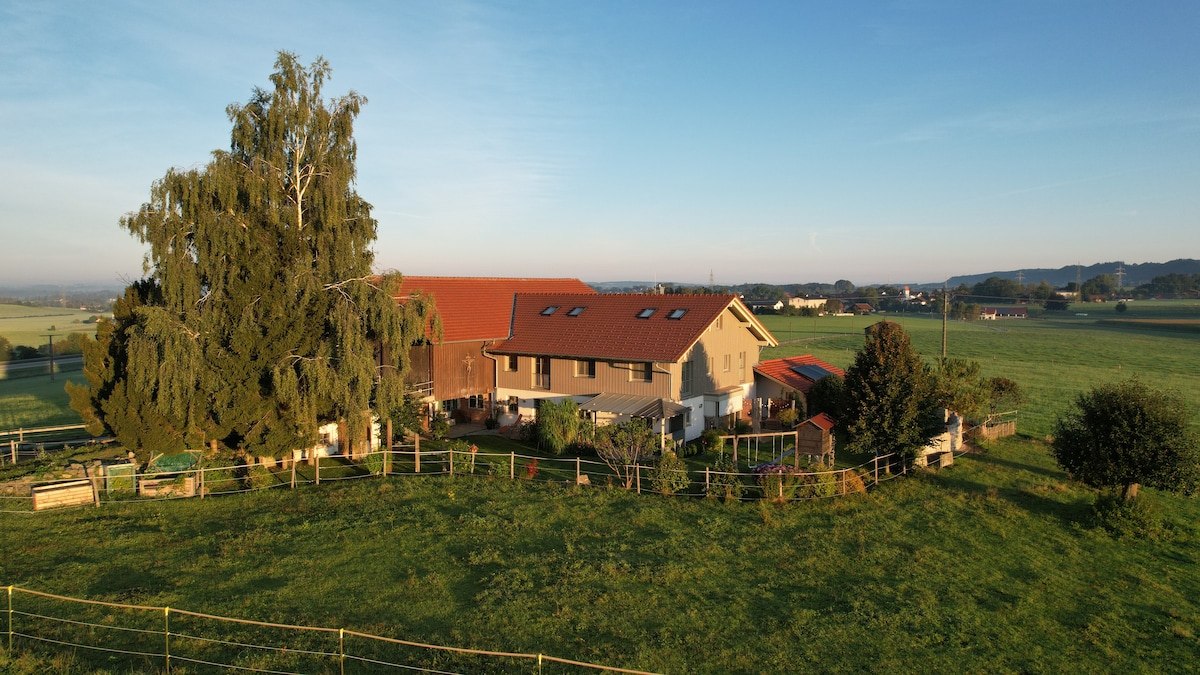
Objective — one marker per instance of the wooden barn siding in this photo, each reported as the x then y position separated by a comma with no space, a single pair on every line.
733,337
610,377
450,376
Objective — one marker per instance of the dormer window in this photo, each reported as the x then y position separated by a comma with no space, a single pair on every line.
576,311
645,313
677,314
550,310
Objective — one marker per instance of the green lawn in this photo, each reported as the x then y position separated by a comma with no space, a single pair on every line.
29,325
31,402
988,566
1053,359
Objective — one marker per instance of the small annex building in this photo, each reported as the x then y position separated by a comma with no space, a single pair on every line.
779,382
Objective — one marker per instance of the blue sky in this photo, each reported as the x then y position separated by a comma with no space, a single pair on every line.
880,142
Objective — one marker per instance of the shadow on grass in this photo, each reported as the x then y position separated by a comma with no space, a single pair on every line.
994,460
1069,512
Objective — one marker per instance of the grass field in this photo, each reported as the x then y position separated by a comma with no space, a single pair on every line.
989,566
1053,359
29,325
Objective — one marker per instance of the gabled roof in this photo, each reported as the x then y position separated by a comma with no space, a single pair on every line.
620,327
480,308
794,372
822,421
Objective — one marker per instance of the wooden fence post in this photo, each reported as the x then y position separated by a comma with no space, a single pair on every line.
417,451
10,623
167,640
577,471
317,463
12,445
451,463
294,462
876,469
706,480
512,465
637,472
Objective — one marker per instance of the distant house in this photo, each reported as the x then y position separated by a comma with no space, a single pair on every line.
451,371
861,308
684,362
1003,312
801,303
758,306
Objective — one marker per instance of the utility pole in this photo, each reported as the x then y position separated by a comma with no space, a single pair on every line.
51,336
945,316
1120,277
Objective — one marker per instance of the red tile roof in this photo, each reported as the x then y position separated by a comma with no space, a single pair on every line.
822,421
608,326
480,308
781,371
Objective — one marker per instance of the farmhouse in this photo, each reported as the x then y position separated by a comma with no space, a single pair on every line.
451,371
682,361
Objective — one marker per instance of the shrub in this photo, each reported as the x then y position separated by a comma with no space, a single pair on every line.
851,482
742,427
531,469
711,440
817,482
259,477
1123,517
669,474
463,459
491,423
723,482
439,426
374,462
778,482
499,466
789,417
690,449
558,424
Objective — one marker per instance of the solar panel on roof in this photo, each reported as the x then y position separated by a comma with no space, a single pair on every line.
811,371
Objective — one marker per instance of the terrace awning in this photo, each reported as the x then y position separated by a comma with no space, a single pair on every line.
648,407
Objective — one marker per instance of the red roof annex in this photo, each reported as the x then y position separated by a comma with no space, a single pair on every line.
480,308
618,326
781,370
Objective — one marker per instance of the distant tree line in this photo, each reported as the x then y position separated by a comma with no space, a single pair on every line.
71,343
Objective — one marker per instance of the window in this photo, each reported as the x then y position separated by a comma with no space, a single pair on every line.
677,314
510,363
687,378
742,366
719,322
727,363
641,372
646,313
541,372
514,404
711,365
576,311
449,405
550,310
476,401
585,368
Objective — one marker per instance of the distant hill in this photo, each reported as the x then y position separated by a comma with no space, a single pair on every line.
1134,273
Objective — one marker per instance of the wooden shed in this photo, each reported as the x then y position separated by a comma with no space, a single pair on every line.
814,438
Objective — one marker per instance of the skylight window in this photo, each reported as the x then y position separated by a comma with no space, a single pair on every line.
550,310
677,314
645,313
576,311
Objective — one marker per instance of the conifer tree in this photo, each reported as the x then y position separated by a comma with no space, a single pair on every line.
262,317
890,397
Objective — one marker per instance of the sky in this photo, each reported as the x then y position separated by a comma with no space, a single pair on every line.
742,141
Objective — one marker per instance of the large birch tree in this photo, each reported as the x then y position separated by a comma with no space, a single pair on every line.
260,317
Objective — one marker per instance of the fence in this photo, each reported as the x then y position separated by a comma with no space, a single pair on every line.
120,483
145,638
19,444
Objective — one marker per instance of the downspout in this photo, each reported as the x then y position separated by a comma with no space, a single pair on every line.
662,438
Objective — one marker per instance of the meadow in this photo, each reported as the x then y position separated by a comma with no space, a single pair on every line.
29,326
1054,357
990,565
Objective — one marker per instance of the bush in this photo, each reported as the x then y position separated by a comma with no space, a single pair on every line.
439,426
531,469
723,482
374,462
499,466
817,482
669,474
711,440
259,477
1123,517
742,427
789,417
491,423
778,482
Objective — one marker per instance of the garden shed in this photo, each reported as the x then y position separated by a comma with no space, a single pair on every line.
814,438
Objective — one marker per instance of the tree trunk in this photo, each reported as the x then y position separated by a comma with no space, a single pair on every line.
1130,491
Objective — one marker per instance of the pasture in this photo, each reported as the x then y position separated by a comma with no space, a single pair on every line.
29,325
1053,356
989,566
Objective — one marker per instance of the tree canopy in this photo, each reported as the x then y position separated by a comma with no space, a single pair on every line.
1126,434
260,317
890,404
